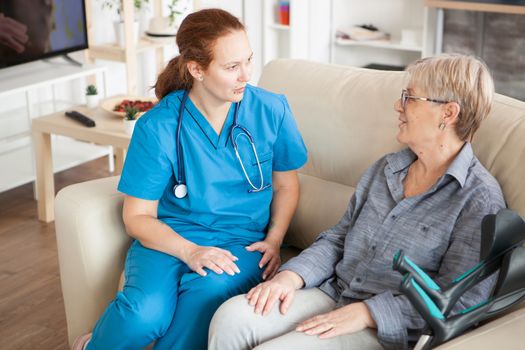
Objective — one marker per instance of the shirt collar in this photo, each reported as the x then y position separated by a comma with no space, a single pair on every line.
458,168
400,160
460,165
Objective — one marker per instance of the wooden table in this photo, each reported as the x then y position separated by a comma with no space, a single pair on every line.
108,131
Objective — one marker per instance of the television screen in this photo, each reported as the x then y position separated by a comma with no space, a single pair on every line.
36,29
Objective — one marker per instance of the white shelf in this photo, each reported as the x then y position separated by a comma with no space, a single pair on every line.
42,74
306,37
400,18
16,153
279,26
12,123
17,167
112,51
381,44
129,54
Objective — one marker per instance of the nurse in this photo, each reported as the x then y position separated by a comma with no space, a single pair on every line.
210,186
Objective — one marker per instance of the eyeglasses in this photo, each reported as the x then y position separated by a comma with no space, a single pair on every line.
405,97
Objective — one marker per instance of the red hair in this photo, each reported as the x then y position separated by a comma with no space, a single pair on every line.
196,38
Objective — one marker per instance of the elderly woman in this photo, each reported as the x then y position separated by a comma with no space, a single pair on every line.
428,199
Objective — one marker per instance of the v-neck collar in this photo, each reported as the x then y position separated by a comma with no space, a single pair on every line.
217,141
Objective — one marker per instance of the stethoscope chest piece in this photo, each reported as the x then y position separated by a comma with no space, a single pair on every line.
180,190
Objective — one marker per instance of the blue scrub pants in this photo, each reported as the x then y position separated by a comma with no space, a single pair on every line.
163,299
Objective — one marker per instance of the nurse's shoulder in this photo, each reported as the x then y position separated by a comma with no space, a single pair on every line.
163,114
276,105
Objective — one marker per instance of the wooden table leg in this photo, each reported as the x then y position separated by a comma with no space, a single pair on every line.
45,182
120,155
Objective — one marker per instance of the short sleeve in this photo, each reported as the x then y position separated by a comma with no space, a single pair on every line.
147,169
289,151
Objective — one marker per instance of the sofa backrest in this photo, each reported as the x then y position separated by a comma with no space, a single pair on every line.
347,119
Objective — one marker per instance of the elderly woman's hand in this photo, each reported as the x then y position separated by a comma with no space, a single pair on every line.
271,256
282,287
345,320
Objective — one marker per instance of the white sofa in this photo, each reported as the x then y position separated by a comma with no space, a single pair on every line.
347,120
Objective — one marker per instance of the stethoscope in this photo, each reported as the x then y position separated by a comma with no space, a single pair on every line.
181,189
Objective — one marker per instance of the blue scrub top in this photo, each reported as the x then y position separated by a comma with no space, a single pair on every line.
218,208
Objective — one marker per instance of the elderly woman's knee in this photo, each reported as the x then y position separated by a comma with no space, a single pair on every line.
232,314
232,325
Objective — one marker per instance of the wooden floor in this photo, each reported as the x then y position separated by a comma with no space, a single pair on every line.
31,306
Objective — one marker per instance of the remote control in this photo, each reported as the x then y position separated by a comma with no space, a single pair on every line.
79,117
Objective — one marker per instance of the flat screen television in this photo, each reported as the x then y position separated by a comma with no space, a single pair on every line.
34,29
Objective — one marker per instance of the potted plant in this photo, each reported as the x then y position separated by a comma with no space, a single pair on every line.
168,25
91,96
119,24
130,118
176,10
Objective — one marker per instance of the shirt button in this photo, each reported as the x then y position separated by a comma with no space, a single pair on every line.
358,279
373,247
393,217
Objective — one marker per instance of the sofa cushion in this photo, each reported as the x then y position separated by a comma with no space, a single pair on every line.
321,204
346,115
500,146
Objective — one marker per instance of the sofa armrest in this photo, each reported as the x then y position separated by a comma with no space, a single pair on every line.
92,243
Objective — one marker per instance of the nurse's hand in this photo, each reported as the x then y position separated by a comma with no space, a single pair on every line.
216,259
282,287
271,256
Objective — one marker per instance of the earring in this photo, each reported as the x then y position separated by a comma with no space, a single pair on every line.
200,78
442,126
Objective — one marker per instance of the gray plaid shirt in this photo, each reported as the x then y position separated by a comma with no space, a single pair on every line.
439,230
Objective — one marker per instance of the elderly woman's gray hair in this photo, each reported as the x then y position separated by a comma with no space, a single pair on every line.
456,78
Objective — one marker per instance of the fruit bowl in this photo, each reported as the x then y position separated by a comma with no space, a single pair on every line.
115,105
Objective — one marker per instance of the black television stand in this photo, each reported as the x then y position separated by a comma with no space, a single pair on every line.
71,60
67,58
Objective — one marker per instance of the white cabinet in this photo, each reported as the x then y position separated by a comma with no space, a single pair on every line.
27,83
395,17
307,36
313,25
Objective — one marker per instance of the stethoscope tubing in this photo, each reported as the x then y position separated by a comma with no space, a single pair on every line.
181,176
254,188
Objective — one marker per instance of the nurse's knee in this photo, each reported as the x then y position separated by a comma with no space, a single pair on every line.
232,326
147,312
214,286
225,286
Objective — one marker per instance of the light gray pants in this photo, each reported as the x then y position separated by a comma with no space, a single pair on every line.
235,326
